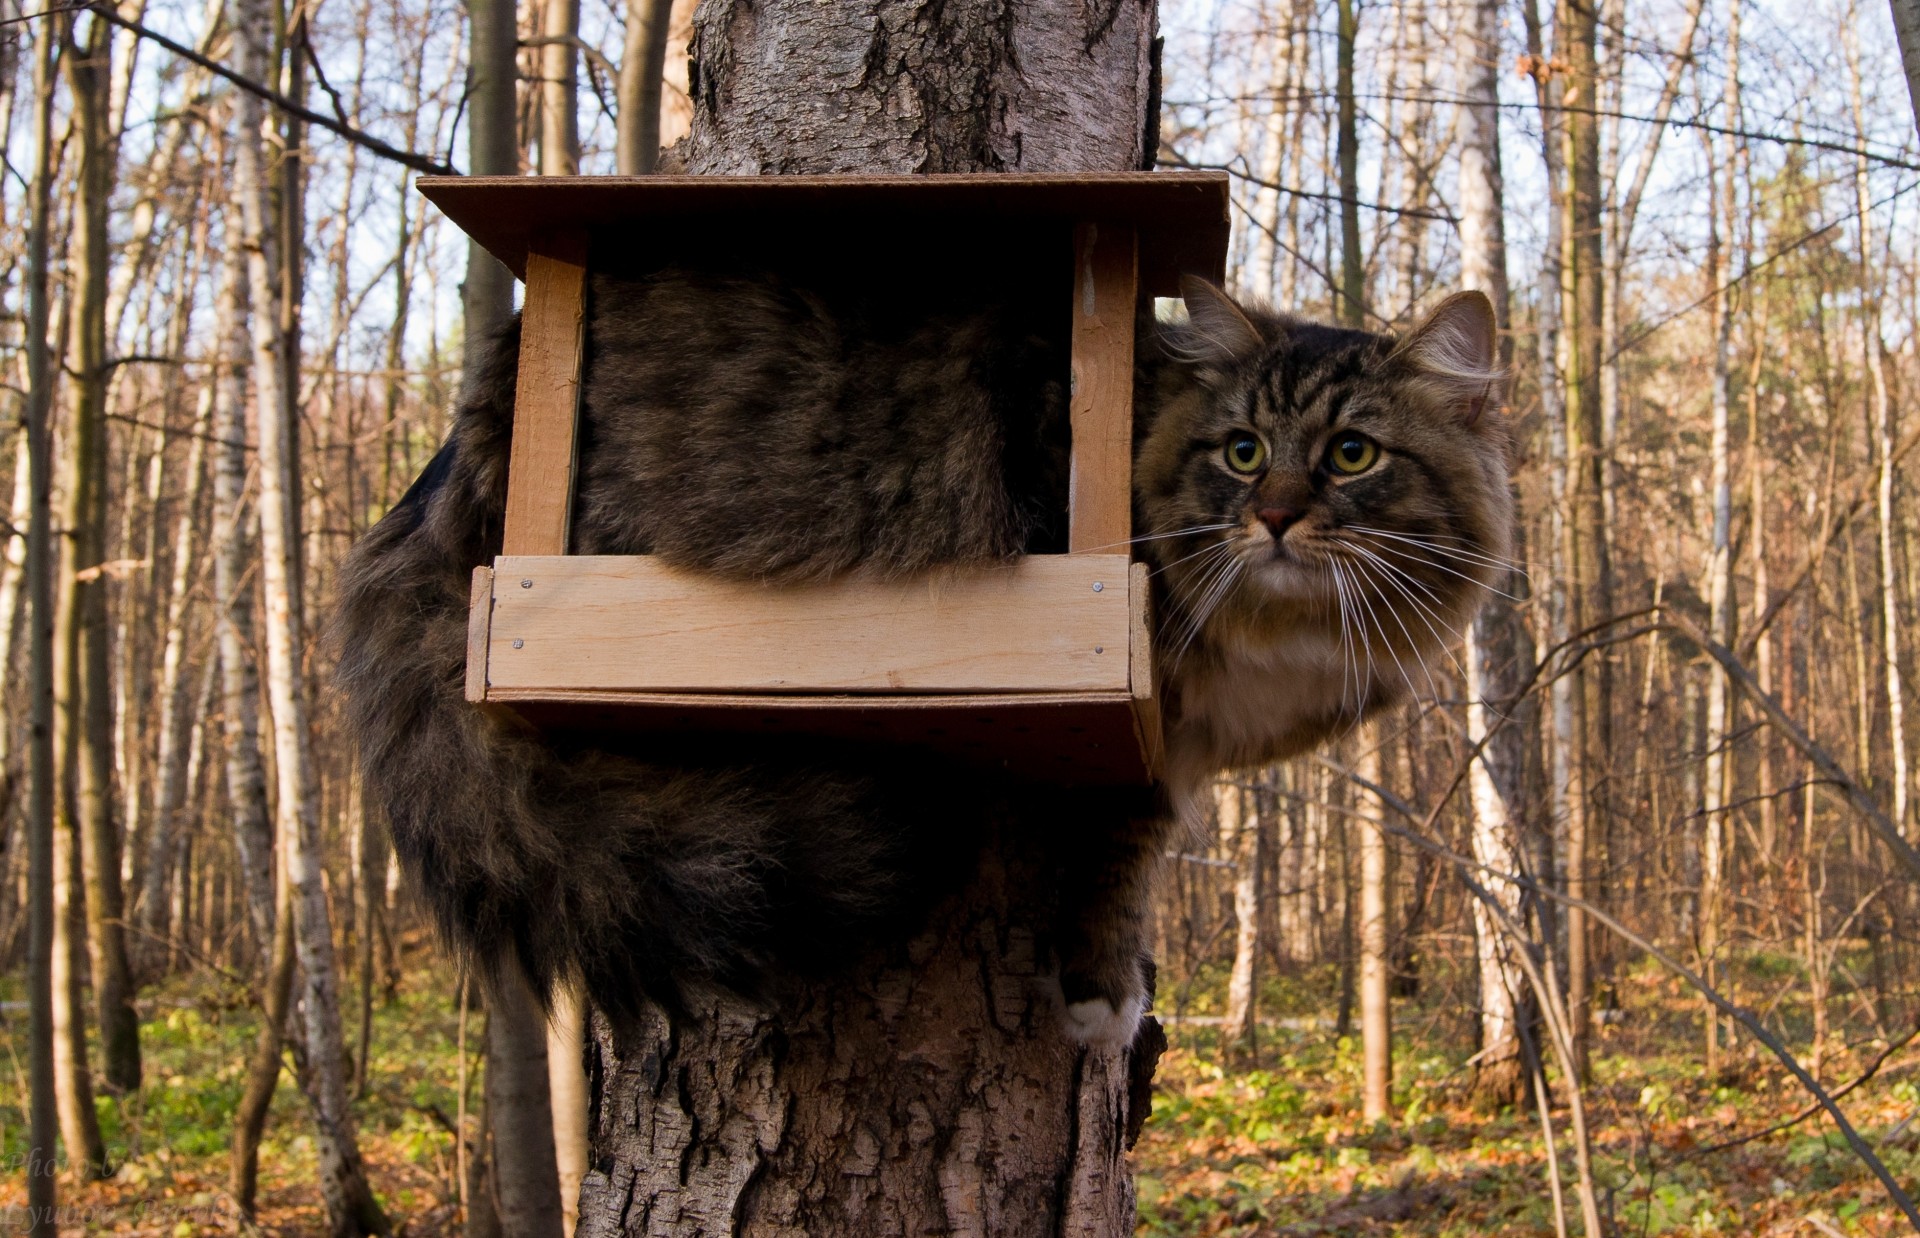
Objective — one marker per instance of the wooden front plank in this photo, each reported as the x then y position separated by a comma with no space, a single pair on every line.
1105,284
610,623
546,401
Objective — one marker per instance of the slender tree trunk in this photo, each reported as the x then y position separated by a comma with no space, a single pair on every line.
560,88
13,568
1575,39
493,149
1353,272
1492,665
89,714
1874,349
233,612
1376,932
642,72
73,1080
520,1113
174,723
43,1034
1566,792
263,1068
1240,838
351,1207
567,1085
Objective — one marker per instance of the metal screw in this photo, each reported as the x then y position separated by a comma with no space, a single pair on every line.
1099,648
519,644
1098,586
526,584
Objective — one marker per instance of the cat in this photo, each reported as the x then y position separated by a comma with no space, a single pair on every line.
1319,506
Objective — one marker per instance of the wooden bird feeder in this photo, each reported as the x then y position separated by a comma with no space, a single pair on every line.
1042,666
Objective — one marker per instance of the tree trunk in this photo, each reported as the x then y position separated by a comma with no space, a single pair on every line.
642,70
929,1088
1575,38
1493,668
567,1086
1353,273
351,1207
974,86
520,1115
493,149
1240,837
44,1117
174,723
263,1069
1376,1009
233,615
89,713
560,88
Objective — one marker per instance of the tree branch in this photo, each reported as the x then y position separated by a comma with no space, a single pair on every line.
359,137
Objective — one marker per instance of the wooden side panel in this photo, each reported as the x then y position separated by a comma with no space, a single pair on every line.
1048,623
546,402
1105,282
479,617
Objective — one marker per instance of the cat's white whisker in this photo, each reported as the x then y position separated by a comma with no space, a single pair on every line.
1219,579
1366,575
1389,575
1453,552
1216,546
1160,537
1188,629
1441,567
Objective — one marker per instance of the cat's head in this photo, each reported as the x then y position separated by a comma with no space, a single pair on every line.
1300,474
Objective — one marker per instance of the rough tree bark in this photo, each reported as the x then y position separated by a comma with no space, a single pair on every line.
929,1087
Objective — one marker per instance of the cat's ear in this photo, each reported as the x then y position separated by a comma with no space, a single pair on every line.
1454,354
1218,331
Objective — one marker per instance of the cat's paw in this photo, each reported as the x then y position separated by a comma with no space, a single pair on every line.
1104,1012
1098,1022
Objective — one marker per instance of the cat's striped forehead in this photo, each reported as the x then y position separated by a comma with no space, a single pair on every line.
1309,377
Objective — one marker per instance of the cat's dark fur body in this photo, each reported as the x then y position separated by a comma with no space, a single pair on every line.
740,426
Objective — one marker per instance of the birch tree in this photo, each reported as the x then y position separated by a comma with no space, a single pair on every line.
351,1207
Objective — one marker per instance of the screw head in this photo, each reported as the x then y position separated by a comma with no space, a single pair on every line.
519,644
1099,648
526,584
1099,586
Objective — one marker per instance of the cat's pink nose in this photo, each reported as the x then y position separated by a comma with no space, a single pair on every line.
1279,519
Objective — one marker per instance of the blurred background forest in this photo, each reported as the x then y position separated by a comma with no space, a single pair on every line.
1687,727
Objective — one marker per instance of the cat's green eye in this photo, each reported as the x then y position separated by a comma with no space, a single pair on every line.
1245,453
1352,453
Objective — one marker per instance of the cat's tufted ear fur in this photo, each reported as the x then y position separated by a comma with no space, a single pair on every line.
1218,332
1454,354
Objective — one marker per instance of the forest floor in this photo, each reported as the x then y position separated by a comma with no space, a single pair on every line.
1257,1144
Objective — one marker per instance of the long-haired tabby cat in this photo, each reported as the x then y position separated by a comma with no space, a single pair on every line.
1321,507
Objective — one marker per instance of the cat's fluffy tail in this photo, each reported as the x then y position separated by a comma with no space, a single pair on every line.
636,877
